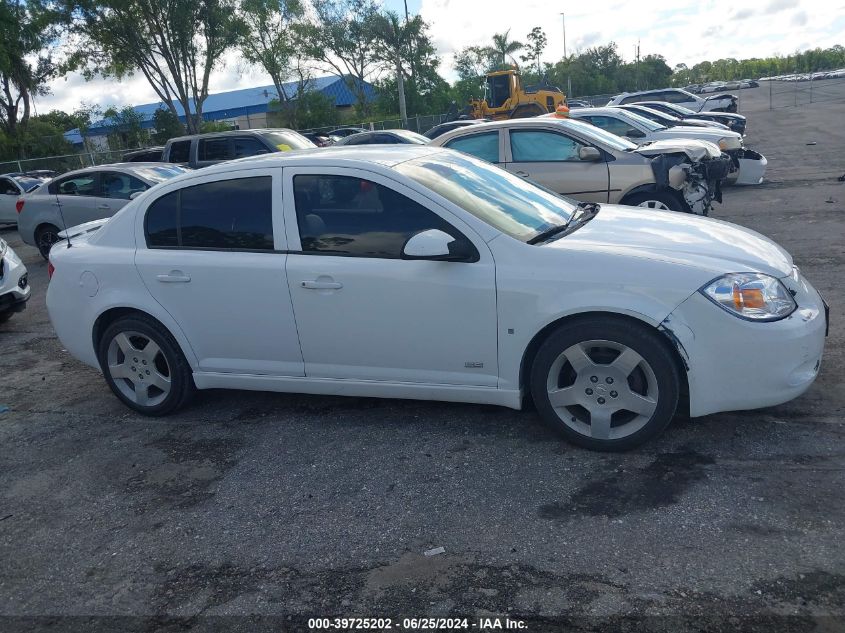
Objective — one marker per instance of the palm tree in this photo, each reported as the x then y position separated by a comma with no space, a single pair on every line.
503,47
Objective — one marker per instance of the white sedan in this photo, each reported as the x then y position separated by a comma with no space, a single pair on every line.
14,287
421,272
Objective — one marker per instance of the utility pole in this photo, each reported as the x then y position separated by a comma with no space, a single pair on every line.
566,57
637,73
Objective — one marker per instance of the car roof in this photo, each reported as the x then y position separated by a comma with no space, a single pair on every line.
336,155
577,127
250,132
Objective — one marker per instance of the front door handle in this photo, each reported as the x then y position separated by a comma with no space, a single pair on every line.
174,277
103,206
522,174
322,285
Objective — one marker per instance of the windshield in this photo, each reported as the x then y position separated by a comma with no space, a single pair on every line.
160,173
507,202
648,124
29,184
285,141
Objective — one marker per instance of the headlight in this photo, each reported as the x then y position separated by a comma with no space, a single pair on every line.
727,142
751,296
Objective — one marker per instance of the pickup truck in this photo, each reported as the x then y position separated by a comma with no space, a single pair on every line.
202,150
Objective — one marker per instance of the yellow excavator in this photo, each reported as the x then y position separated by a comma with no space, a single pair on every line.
506,98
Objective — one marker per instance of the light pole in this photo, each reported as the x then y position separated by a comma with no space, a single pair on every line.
563,19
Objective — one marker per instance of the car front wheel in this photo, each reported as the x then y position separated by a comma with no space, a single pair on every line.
605,383
144,366
662,200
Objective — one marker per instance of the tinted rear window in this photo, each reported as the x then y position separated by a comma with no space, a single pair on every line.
180,152
230,214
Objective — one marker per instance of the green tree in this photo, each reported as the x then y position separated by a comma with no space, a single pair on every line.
313,109
342,39
503,47
30,56
125,130
174,44
271,35
534,48
167,126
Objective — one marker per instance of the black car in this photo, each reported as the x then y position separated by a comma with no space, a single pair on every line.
384,137
343,132
442,128
146,155
668,120
735,122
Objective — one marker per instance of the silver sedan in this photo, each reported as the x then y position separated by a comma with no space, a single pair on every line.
84,195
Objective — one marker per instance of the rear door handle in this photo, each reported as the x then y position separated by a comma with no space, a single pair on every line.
174,277
522,174
322,285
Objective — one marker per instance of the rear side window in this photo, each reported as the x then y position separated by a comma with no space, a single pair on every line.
180,152
213,149
484,146
121,186
82,185
225,215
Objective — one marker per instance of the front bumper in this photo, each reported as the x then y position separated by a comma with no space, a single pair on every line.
749,167
14,285
734,364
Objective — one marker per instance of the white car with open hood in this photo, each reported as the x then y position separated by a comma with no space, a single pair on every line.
749,166
421,272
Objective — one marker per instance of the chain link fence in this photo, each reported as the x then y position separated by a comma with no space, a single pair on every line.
66,162
793,94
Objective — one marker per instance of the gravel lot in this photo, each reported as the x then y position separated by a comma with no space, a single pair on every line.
275,505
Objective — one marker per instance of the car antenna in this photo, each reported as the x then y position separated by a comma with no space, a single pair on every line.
62,216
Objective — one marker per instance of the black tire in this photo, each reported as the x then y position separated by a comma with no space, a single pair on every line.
181,387
45,236
660,365
6,315
670,199
527,111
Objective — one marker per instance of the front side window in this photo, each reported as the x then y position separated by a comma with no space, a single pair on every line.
530,146
213,149
344,215
484,146
121,186
225,215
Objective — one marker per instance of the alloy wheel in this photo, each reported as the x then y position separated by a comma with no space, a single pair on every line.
138,368
602,389
654,204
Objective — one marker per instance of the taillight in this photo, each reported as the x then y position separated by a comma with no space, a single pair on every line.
19,205
50,270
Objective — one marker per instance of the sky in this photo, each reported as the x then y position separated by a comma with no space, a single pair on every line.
683,31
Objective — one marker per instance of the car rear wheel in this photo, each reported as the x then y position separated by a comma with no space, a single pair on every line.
144,366
605,383
663,200
45,236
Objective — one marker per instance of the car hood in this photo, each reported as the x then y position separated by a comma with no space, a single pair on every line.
696,150
711,246
708,134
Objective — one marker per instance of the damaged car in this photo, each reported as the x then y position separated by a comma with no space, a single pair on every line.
747,166
723,102
586,163
670,120
734,121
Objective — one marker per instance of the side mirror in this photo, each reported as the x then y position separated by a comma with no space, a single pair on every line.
634,133
438,245
589,154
